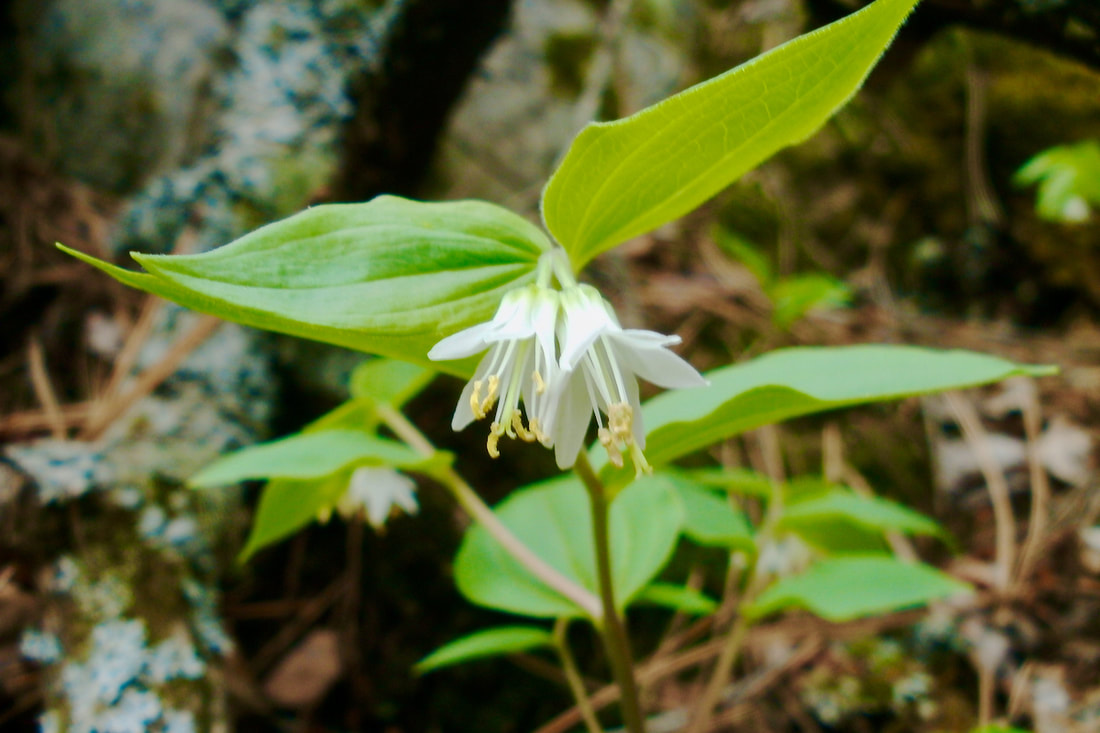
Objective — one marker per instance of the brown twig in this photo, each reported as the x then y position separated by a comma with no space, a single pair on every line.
43,388
149,379
1005,522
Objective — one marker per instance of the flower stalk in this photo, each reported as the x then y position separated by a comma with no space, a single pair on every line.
612,629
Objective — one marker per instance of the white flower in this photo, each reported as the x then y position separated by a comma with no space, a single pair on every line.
377,491
600,363
521,363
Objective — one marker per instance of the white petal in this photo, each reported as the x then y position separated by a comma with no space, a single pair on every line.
647,357
378,490
464,415
637,424
571,419
466,342
585,320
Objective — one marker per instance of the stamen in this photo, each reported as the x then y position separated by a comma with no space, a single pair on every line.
494,438
475,401
491,397
613,453
523,433
620,419
540,385
536,430
641,465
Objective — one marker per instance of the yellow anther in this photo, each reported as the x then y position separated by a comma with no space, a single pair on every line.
523,433
536,430
620,419
613,453
540,385
475,401
491,397
494,438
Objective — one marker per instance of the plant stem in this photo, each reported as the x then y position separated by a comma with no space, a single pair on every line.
573,677
612,630
469,500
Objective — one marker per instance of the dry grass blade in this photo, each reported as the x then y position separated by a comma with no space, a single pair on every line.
43,388
978,439
151,377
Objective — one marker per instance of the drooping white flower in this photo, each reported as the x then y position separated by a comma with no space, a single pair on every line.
600,363
521,362
376,491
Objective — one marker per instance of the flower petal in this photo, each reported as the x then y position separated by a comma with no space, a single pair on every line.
570,423
648,357
585,320
466,342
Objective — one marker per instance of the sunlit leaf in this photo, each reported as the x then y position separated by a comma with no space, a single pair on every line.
739,481
390,276
554,519
487,643
846,508
710,520
624,178
389,381
288,505
307,455
1068,178
794,297
678,598
846,588
805,380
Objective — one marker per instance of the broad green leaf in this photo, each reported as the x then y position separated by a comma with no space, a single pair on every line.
710,520
288,505
805,380
846,508
307,455
845,588
740,481
624,178
487,643
389,277
388,381
678,598
554,519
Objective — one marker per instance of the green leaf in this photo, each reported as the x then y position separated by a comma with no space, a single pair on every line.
801,381
710,519
624,178
741,481
390,276
846,588
1068,178
554,519
794,297
742,250
307,455
388,381
487,643
288,505
846,508
678,598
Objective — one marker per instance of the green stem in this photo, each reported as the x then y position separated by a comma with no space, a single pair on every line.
469,500
573,677
612,630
